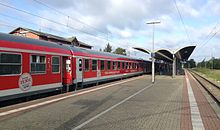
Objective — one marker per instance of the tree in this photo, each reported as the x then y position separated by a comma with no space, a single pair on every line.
216,63
108,48
212,63
190,63
120,51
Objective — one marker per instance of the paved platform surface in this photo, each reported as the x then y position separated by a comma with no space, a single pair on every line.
208,110
131,105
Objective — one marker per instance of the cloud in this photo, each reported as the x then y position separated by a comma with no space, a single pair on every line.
61,4
123,22
167,24
213,6
187,10
125,33
115,12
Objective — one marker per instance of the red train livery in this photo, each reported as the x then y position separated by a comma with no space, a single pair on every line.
29,66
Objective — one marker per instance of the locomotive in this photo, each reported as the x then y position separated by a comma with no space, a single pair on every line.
29,66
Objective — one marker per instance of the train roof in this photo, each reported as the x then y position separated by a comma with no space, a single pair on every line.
74,49
13,38
99,53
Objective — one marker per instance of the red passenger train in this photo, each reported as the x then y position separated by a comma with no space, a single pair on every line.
29,66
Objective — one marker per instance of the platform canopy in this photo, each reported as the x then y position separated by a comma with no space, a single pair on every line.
184,53
143,50
166,55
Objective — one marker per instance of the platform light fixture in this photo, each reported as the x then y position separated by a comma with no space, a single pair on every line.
152,52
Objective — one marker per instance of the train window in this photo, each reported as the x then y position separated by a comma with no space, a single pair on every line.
80,63
102,65
10,64
109,65
86,65
38,64
123,65
114,65
127,67
56,64
94,64
119,65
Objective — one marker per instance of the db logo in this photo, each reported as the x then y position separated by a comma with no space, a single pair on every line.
25,81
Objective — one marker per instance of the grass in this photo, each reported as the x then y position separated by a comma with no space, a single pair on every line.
214,74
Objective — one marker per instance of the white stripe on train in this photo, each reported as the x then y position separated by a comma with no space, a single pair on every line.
9,92
33,88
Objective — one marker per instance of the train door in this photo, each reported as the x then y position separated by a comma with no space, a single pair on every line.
79,70
66,73
98,69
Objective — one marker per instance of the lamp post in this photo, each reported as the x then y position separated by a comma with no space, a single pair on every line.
152,52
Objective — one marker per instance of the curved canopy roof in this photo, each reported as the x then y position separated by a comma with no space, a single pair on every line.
184,53
166,55
142,49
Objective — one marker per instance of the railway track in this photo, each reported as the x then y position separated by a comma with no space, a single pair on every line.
212,88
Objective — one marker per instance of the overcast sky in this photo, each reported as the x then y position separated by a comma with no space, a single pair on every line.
122,23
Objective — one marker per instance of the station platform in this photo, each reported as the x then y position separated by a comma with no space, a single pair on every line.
178,103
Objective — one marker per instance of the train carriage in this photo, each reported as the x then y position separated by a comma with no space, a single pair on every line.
30,66
94,66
